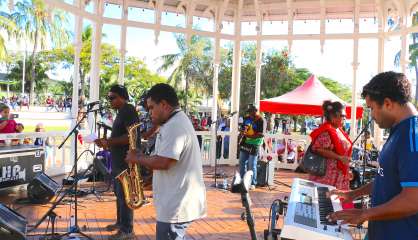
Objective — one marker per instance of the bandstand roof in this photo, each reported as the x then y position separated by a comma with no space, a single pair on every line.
272,10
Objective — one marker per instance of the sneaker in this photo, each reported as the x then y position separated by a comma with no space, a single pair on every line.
122,236
252,187
112,227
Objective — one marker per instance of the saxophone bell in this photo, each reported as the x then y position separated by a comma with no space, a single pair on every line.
131,179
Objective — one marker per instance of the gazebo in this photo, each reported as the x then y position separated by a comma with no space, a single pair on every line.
255,12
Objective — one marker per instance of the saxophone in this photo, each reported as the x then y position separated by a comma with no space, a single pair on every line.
131,179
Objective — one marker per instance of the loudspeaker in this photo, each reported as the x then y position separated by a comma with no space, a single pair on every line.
265,173
12,224
42,188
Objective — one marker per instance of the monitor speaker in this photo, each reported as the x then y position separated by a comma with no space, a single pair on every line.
12,224
42,188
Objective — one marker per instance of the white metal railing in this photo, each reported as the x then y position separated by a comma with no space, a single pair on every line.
60,161
57,161
271,148
285,150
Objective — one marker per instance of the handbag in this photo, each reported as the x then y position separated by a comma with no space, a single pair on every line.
249,148
314,164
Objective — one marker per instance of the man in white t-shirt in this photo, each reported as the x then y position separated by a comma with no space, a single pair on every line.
178,187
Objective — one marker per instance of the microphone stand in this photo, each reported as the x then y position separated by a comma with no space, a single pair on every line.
364,150
75,228
215,185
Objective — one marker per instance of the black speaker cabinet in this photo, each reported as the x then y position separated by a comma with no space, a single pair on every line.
265,173
12,224
42,188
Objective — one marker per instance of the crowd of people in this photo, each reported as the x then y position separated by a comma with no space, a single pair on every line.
19,103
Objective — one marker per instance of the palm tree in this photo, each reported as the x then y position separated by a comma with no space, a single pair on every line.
192,65
413,55
7,25
40,26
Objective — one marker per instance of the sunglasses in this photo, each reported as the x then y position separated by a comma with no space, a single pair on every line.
111,98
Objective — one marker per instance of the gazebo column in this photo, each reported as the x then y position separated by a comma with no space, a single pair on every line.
213,127
404,61
322,26
378,132
76,74
258,56
236,82
189,21
157,15
121,76
290,16
95,59
355,64
216,64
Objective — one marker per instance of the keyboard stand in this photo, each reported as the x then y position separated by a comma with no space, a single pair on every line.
245,198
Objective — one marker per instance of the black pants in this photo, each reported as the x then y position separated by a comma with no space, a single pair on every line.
125,215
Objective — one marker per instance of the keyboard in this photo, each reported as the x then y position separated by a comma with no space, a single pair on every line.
306,216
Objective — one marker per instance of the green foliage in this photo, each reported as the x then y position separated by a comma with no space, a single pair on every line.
16,72
278,75
39,26
193,65
338,89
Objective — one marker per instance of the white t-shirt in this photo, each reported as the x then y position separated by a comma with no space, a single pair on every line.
179,192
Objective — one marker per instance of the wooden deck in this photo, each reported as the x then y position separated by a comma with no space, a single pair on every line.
222,222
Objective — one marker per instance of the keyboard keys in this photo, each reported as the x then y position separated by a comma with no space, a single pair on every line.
325,206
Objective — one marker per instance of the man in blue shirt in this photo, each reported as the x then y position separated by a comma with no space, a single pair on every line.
394,211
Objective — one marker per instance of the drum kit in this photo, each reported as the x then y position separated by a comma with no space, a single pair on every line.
363,174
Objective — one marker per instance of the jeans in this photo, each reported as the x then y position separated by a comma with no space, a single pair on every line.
248,162
125,215
172,231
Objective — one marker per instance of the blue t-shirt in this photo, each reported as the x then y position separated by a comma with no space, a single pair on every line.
398,168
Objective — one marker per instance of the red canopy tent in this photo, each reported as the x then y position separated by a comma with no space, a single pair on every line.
306,99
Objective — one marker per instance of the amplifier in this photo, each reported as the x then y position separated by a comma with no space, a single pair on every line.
265,173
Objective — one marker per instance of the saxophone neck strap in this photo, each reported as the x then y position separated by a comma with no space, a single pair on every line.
172,114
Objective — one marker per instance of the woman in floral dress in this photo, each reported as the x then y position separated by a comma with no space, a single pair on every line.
332,143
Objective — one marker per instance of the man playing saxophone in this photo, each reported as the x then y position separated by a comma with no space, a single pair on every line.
118,144
178,187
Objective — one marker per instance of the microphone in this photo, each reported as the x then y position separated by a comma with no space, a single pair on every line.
233,113
92,104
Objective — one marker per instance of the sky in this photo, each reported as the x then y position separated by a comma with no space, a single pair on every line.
335,62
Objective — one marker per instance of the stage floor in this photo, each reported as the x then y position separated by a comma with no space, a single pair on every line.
222,222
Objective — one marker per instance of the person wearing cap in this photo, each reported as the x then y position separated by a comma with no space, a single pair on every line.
252,132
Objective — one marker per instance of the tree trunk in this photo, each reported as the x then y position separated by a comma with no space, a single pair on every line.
82,82
186,108
33,73
294,123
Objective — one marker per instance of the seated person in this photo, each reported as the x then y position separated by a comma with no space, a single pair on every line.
40,141
7,123
19,129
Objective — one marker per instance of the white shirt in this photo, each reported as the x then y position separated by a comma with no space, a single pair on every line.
179,192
